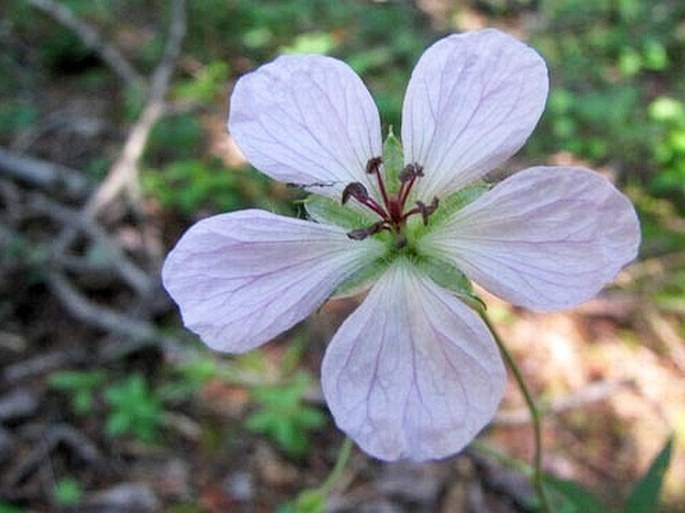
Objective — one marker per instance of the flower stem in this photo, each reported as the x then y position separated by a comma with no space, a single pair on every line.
538,476
341,462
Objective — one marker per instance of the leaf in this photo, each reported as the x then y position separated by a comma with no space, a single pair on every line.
575,498
645,495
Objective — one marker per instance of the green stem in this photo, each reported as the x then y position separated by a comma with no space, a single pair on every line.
538,475
341,462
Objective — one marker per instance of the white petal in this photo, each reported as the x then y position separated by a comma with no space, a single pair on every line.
412,373
546,238
306,119
472,101
242,278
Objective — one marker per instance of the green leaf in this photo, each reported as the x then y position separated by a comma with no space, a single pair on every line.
572,497
8,508
283,416
645,495
67,492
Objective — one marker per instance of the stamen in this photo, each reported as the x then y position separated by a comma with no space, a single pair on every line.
357,191
373,166
408,176
363,233
391,211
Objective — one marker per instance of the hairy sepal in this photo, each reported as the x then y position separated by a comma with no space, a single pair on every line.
328,211
393,162
449,277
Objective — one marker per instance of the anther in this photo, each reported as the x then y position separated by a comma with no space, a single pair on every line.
355,190
410,172
374,165
427,210
363,233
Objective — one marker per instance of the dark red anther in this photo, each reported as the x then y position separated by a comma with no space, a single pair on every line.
355,190
374,165
410,172
427,210
363,233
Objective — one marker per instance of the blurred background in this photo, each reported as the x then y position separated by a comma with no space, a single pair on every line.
113,142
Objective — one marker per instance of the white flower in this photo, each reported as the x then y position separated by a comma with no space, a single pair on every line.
413,372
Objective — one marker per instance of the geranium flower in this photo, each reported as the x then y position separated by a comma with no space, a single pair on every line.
413,372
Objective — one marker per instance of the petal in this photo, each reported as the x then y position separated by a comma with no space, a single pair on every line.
242,278
546,238
306,119
472,101
412,373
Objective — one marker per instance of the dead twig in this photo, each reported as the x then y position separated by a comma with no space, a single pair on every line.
124,172
123,175
89,36
48,176
107,319
137,278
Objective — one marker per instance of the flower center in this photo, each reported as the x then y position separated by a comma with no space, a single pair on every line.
392,210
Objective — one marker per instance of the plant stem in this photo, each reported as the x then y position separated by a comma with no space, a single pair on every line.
341,462
538,475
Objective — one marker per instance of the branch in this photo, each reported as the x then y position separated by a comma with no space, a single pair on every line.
107,319
43,174
108,53
124,172
137,278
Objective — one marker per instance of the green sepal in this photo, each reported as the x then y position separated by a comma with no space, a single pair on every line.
449,277
362,278
456,201
328,211
393,162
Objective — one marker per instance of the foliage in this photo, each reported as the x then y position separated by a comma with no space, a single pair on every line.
135,409
81,385
283,415
668,117
67,492
188,185
8,508
644,497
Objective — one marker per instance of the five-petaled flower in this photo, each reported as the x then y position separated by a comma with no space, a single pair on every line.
413,372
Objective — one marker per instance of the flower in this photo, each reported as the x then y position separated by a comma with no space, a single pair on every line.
413,372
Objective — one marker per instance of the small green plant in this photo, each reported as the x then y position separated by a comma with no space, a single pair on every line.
188,185
135,409
206,85
67,492
8,508
189,377
81,385
283,416
668,151
308,501
644,498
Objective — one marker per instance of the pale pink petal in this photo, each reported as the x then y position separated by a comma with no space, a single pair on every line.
546,238
306,119
412,373
242,278
472,101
